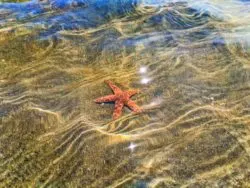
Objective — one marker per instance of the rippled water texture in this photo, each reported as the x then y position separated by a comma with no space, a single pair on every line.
191,61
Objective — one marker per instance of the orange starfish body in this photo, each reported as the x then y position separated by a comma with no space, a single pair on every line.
121,99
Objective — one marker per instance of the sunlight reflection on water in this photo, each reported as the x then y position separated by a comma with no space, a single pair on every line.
190,60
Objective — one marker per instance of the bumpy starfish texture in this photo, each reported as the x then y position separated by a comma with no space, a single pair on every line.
121,99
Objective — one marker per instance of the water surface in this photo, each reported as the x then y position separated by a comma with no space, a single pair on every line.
190,59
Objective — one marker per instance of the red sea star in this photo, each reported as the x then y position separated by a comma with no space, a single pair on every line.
121,99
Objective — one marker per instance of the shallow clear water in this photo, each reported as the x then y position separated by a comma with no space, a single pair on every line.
191,61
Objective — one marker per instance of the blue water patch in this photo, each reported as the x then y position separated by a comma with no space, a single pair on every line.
50,16
174,20
62,4
139,184
56,15
219,41
39,6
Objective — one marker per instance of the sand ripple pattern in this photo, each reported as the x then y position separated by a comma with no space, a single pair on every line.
194,73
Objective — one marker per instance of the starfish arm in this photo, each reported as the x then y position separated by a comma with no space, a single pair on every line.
118,109
132,92
108,98
113,86
133,106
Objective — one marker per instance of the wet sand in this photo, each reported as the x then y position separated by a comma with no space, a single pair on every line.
193,68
